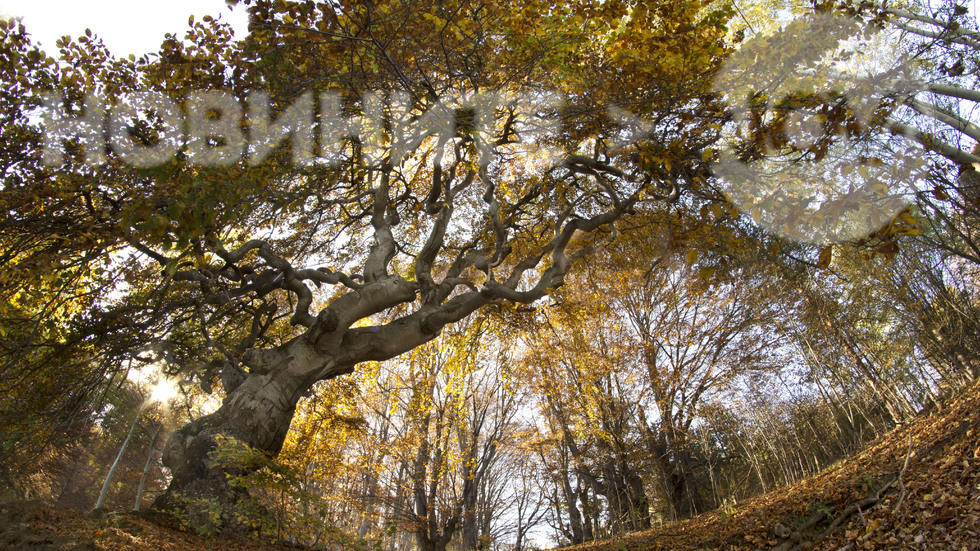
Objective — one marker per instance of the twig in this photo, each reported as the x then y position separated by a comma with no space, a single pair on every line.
847,513
901,476
856,507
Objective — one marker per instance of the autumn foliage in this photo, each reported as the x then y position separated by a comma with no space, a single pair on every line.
478,275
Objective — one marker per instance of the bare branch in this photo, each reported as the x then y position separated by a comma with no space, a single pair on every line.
933,144
383,250
945,116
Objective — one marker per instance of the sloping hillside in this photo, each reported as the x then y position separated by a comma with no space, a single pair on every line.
918,487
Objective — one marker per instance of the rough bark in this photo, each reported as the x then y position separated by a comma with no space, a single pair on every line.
257,413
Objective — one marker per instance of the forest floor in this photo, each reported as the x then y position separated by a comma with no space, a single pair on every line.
25,526
918,487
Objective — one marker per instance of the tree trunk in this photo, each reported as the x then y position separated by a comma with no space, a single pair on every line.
146,469
115,464
426,544
589,526
682,492
574,515
676,478
257,413
639,502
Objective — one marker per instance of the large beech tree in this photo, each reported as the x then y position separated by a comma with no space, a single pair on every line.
487,164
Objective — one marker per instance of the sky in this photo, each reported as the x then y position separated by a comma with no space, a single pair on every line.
133,26
126,27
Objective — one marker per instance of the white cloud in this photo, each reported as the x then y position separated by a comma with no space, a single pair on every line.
126,27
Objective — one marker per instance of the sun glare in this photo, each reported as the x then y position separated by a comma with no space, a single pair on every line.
164,390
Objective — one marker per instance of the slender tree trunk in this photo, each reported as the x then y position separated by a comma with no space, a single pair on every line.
754,460
146,469
372,488
115,464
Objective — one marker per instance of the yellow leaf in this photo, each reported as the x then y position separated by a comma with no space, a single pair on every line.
826,255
